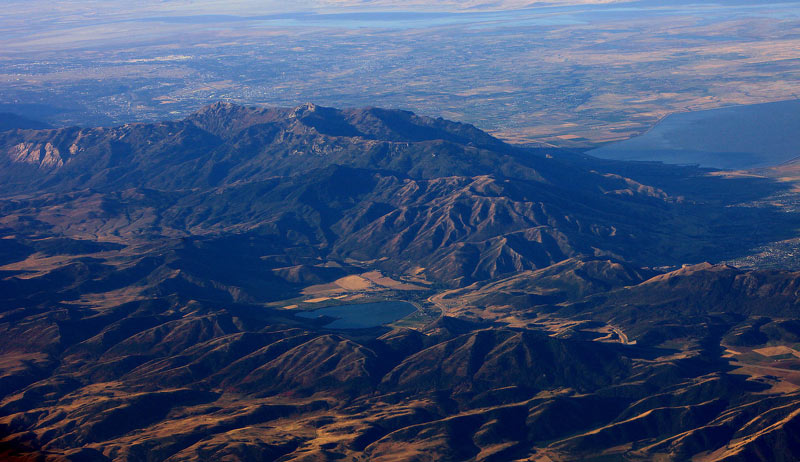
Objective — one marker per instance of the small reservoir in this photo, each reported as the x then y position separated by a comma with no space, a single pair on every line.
362,315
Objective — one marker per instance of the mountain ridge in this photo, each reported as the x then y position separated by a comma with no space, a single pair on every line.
151,279
478,211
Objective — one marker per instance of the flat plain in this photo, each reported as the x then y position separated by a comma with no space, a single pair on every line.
575,75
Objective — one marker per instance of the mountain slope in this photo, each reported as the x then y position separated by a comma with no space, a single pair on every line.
360,184
151,277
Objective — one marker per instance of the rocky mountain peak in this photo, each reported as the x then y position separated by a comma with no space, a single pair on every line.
303,110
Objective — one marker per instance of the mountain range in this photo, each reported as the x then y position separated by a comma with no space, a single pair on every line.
151,275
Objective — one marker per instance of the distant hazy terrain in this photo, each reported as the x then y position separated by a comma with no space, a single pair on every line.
120,8
574,74
736,137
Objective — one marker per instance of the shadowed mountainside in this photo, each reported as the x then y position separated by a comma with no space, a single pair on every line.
364,184
150,275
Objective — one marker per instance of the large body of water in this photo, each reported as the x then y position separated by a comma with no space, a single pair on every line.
756,135
362,315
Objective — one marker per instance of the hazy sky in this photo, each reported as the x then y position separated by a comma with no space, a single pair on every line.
35,25
116,7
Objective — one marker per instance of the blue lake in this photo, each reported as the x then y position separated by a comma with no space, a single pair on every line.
362,315
736,137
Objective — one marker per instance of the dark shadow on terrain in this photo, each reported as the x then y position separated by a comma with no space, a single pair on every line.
692,182
735,213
